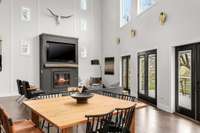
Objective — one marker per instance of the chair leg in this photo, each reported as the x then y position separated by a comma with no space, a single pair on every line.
23,99
19,97
58,130
48,128
42,126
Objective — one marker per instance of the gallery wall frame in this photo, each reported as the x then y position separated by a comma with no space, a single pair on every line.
109,65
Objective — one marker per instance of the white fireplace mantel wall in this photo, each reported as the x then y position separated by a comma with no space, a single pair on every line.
13,31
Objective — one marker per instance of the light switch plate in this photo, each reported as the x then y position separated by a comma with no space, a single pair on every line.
25,47
83,52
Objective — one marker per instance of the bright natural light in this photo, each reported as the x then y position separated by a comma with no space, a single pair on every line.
144,5
83,4
125,9
83,25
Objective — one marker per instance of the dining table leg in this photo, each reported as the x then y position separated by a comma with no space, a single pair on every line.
67,130
35,118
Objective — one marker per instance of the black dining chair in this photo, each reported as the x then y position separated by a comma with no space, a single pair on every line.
122,121
107,93
125,97
20,90
98,123
29,94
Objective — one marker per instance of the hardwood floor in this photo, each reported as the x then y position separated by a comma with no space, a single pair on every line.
148,120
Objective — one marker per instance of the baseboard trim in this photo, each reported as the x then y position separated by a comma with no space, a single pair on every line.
8,95
164,107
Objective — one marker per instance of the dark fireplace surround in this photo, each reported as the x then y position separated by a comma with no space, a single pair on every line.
57,76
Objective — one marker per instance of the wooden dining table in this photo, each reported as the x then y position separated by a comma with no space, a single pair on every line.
64,113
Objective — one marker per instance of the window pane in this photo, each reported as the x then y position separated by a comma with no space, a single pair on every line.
144,4
124,76
141,75
83,4
185,79
129,73
83,25
125,6
152,75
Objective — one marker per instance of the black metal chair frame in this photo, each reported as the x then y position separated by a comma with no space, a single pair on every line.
119,96
125,97
20,90
98,123
30,94
107,93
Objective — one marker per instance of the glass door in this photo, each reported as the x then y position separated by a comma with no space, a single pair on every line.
126,73
185,80
152,85
147,76
141,74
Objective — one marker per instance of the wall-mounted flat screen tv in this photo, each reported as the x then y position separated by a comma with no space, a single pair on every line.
61,52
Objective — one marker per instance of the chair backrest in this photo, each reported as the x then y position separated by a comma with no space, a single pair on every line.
6,121
124,117
125,97
25,89
50,95
26,83
110,94
98,123
20,87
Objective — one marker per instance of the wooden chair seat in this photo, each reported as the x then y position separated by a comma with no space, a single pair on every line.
23,124
30,130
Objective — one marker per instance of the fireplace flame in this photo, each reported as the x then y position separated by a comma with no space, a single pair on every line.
62,81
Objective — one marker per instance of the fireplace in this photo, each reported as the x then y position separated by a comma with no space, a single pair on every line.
58,62
61,79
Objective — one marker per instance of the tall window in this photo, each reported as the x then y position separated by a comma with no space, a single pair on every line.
125,9
126,73
144,5
83,4
83,25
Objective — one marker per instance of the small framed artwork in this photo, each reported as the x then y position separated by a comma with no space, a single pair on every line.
25,14
109,66
95,62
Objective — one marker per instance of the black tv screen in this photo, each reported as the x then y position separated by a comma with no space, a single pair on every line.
61,52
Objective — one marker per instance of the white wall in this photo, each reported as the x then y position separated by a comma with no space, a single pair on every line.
13,30
182,27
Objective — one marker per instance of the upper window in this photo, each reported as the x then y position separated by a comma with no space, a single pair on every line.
125,9
83,4
144,5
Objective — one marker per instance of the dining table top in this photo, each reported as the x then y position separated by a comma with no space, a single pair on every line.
64,112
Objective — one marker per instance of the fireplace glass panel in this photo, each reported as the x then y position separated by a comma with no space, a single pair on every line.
61,79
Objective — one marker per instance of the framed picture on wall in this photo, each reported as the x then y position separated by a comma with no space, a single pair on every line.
109,66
